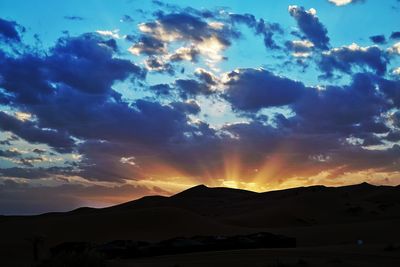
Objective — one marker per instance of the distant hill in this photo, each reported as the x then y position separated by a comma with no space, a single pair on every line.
315,215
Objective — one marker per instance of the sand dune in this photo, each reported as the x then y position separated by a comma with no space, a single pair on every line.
314,215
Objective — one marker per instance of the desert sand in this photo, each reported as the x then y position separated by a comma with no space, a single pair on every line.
345,226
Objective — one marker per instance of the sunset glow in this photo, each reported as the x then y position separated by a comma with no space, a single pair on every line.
102,102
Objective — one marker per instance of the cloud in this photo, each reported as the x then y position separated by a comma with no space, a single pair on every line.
161,89
9,153
10,31
345,58
28,131
191,53
310,26
126,18
345,2
260,27
393,136
175,26
300,48
395,35
197,36
344,112
202,36
254,89
84,63
157,64
394,49
191,88
206,76
84,96
396,71
74,18
148,45
342,109
108,33
29,173
189,107
378,39
391,89
66,104
5,142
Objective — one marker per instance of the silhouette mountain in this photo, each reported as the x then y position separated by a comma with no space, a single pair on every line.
315,215
212,192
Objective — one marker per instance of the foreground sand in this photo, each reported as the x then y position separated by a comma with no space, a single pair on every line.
314,256
327,223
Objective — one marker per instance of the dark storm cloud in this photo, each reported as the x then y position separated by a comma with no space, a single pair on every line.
260,27
310,26
345,58
28,131
10,30
378,39
253,89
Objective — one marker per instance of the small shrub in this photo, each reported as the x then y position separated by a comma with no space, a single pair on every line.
85,259
302,262
390,247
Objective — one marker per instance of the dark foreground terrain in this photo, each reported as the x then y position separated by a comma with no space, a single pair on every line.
346,226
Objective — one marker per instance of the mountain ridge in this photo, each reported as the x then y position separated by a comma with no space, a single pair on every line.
316,216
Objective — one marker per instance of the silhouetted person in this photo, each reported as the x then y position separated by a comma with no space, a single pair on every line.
36,241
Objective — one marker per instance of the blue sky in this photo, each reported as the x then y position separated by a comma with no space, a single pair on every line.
106,101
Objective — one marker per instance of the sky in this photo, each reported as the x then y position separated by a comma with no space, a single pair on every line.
103,102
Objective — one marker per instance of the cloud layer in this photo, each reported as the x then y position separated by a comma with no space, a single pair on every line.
168,105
